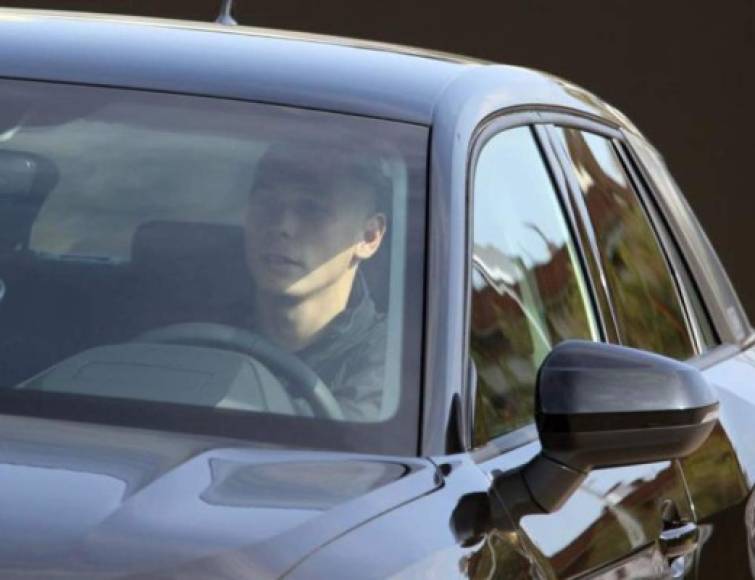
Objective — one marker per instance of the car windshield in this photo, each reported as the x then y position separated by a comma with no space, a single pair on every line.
211,266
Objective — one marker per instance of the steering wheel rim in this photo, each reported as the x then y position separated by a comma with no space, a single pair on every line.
303,381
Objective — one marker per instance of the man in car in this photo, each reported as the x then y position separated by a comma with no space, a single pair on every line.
313,217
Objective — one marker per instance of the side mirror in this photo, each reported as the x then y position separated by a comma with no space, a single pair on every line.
601,405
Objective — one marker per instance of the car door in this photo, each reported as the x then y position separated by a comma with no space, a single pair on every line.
655,303
536,280
719,474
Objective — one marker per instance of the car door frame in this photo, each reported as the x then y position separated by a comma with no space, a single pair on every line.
590,267
695,268
541,120
513,449
725,313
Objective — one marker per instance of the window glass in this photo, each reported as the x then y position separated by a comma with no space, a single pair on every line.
669,191
287,244
645,299
527,288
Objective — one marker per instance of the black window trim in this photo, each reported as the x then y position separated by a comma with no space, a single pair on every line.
669,247
662,235
719,308
590,250
587,259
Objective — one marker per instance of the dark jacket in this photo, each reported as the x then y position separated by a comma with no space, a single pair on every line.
349,356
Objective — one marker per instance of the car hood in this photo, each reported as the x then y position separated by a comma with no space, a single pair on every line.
84,501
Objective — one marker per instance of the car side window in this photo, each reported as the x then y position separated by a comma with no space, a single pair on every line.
528,292
646,304
666,188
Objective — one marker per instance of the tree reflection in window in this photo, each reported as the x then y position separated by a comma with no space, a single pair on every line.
645,299
527,288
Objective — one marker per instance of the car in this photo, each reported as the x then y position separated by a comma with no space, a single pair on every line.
542,367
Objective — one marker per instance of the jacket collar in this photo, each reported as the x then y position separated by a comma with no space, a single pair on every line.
346,328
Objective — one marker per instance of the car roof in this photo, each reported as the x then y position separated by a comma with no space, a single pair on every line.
306,70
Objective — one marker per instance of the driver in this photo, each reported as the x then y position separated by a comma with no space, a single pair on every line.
313,217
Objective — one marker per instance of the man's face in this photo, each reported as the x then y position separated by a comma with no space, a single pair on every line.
299,241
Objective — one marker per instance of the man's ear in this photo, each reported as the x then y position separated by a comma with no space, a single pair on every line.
372,236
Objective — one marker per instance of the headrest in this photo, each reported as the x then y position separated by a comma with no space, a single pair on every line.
171,244
191,263
26,179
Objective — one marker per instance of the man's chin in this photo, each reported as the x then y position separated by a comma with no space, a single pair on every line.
283,289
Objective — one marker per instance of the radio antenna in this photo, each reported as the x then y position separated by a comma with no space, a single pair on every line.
225,14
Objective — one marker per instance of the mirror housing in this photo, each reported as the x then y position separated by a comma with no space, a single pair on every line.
601,405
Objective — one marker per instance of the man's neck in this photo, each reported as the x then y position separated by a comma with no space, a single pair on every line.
295,323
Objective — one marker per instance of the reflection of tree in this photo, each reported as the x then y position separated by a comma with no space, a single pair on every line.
502,286
500,555
714,477
629,520
644,296
519,311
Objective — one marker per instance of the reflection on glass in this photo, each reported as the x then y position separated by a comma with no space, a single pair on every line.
645,300
615,512
500,555
527,292
715,480
124,213
665,185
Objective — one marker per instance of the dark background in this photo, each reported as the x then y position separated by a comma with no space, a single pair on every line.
682,70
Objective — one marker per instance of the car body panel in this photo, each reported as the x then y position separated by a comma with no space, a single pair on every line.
246,64
138,502
614,515
734,380
235,66
720,475
420,538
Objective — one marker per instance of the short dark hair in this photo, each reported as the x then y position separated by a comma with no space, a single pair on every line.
320,168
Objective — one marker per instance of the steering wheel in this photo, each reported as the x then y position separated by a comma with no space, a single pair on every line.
302,380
